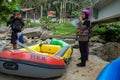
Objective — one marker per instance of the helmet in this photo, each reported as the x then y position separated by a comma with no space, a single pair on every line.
87,12
17,9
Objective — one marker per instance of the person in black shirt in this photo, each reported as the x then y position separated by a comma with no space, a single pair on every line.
16,23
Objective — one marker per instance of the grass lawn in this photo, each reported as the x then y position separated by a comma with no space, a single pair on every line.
63,28
57,28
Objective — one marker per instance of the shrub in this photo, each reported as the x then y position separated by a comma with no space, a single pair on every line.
108,32
75,14
98,30
28,22
35,25
44,21
112,33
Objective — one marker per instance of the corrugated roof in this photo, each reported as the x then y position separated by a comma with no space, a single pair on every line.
27,9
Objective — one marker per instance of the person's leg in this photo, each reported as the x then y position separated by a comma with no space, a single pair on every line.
13,40
83,54
14,46
79,49
87,51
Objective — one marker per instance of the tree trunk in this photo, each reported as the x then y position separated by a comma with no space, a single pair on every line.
41,11
34,16
60,13
65,10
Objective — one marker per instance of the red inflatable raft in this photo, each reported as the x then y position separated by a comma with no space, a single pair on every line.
49,62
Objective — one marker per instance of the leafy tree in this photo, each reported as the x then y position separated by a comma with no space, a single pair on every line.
37,4
62,7
6,8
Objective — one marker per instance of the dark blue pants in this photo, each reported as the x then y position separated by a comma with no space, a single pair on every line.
83,50
14,37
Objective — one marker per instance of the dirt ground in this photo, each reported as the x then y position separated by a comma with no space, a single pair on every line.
90,72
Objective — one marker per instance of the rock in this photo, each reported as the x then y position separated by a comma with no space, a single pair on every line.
29,41
95,47
25,39
37,32
70,37
59,37
2,36
65,37
5,35
4,44
108,51
9,46
33,32
70,41
1,42
97,39
94,44
46,34
75,45
3,29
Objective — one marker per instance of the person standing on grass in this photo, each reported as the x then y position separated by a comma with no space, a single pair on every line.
83,34
16,23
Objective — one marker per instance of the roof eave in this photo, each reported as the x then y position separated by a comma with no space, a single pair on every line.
101,3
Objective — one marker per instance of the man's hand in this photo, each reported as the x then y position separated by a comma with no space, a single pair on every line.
18,16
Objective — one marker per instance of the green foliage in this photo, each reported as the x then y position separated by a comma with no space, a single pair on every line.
6,8
28,22
44,21
108,32
56,5
112,33
35,25
75,14
32,3
63,28
58,29
98,30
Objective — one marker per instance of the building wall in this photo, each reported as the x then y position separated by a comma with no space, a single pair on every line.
109,11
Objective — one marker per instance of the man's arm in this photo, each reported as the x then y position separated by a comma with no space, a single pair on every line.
10,20
22,21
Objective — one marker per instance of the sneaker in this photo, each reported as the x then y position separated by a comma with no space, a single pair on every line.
80,65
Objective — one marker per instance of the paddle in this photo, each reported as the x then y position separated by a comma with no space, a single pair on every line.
25,46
